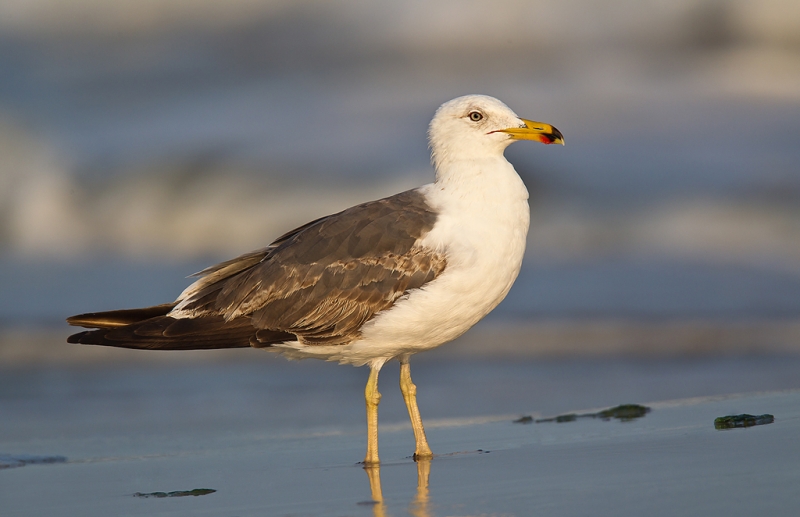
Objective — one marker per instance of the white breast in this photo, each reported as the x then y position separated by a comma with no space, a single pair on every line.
482,226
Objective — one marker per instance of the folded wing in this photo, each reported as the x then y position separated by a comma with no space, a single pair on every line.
318,284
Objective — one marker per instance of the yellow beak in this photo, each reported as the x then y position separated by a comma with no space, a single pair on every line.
544,133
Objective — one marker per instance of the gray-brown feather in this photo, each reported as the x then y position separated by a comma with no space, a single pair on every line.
323,281
318,283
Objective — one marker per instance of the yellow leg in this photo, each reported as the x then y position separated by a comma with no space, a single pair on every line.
422,451
373,398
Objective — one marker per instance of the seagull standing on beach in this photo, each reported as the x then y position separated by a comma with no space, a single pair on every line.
379,281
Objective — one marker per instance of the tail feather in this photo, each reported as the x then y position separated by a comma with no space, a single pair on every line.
151,329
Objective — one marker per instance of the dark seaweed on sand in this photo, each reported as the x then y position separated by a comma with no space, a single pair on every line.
743,420
177,493
624,413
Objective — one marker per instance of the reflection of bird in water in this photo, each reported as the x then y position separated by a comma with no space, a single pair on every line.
418,507
378,281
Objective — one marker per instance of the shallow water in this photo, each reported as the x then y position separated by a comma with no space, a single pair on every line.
261,433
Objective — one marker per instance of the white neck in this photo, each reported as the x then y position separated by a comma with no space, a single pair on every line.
489,179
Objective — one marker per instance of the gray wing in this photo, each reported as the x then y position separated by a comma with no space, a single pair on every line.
323,281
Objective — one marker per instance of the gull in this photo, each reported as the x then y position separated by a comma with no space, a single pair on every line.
378,281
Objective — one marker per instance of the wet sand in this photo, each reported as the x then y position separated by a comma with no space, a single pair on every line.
272,437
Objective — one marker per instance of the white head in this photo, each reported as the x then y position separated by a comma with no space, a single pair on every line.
475,127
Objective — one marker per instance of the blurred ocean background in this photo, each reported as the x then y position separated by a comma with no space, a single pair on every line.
143,140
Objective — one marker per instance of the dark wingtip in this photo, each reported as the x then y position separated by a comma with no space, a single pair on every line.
76,338
119,318
75,320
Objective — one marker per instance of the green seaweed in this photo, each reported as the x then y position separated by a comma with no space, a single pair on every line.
741,421
624,413
178,493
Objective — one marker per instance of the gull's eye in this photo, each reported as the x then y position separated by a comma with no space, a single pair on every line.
475,116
